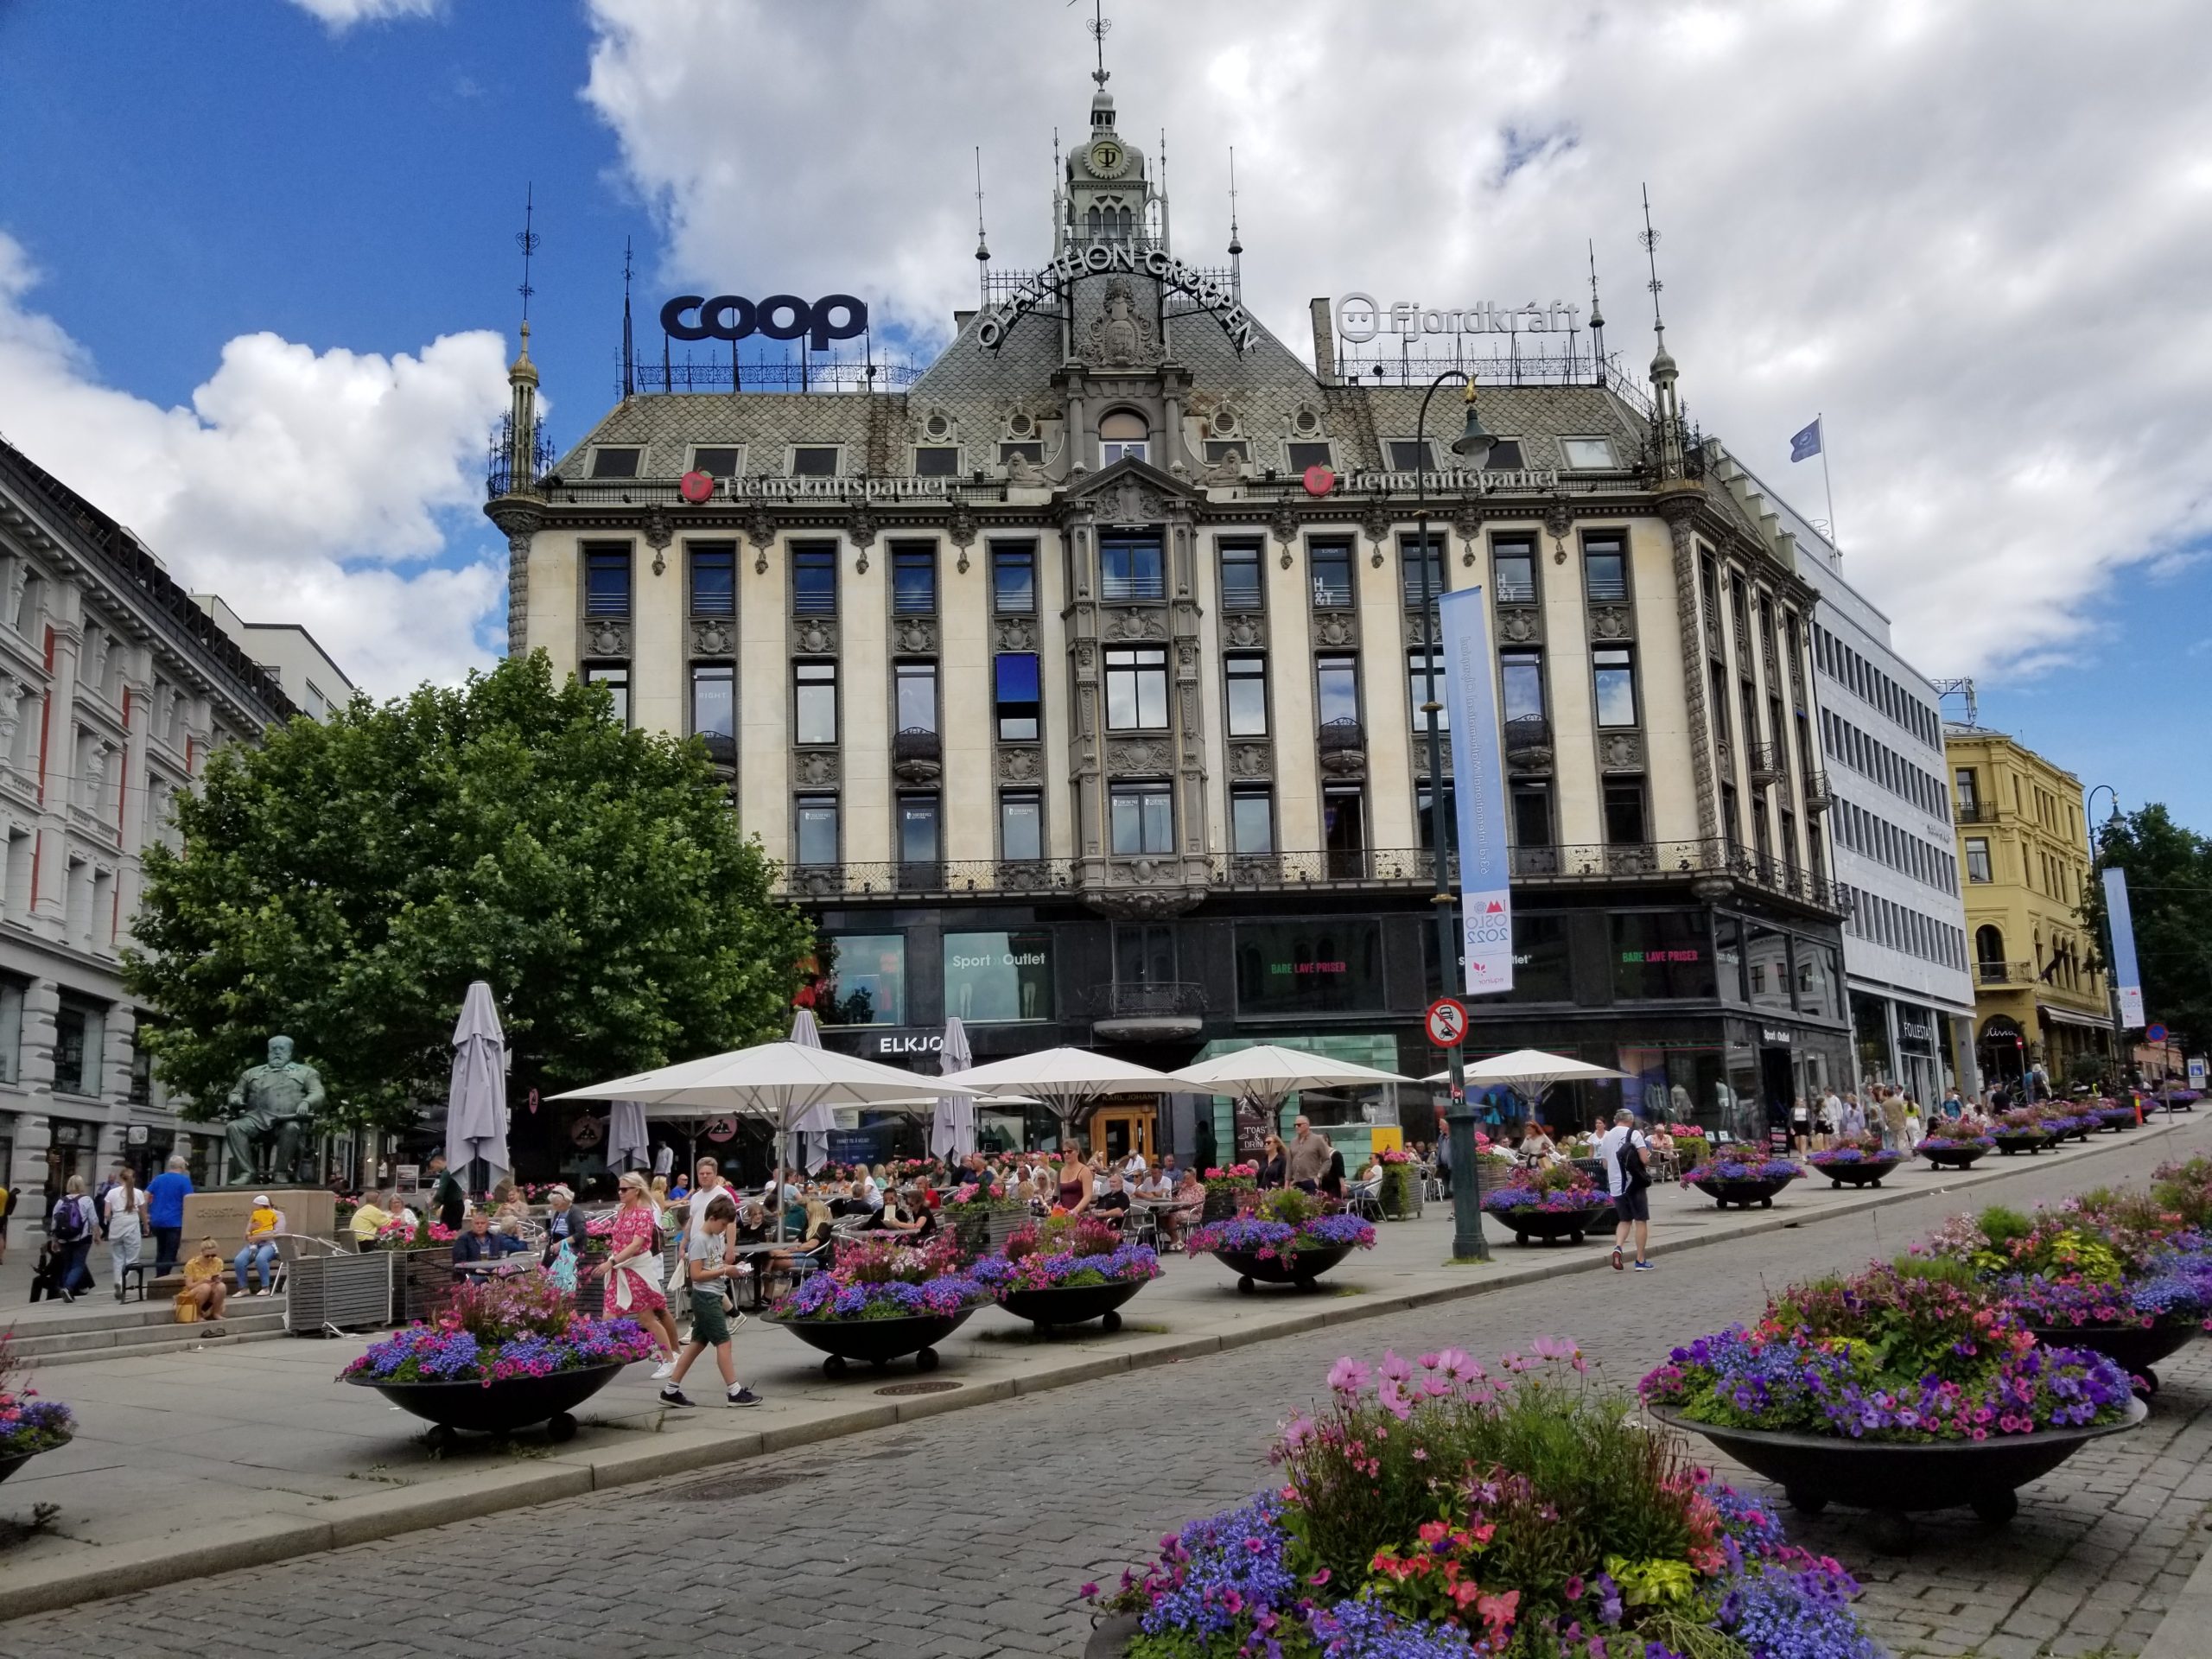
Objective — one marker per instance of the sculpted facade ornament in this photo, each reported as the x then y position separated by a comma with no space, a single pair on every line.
1244,630
1284,528
1251,761
1023,472
606,637
660,529
760,528
1519,625
713,638
1020,765
962,530
1120,335
1334,628
1612,622
915,634
1121,626
1621,751
860,524
1139,754
1015,633
815,768
1130,501
814,636
1376,525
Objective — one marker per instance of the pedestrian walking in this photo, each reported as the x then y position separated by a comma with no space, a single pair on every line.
126,1223
705,1252
448,1197
633,1269
1622,1150
70,1225
1913,1126
1800,1125
1952,1109
165,1197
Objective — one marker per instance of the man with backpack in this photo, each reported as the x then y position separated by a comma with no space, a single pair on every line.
1628,1182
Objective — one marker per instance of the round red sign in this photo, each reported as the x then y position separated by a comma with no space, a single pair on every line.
1319,480
697,486
721,1129
1446,1022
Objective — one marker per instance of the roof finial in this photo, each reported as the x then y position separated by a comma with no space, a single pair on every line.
983,247
1096,27
1650,240
526,239
1236,242
629,350
1597,321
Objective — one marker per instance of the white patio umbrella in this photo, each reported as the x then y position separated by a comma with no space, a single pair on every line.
1266,1075
782,1082
818,1120
1066,1079
950,1136
476,1103
1528,1073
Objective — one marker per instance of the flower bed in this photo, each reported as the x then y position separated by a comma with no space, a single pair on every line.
1069,1270
1228,1188
399,1235
1742,1181
498,1330
2021,1129
1558,1201
1953,1143
1856,1159
1433,1511
1291,1238
885,1280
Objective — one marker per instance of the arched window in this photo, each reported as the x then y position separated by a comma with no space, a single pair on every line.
1989,951
1097,225
1128,220
1123,432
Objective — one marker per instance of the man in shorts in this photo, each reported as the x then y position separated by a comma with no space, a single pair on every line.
1622,1150
706,1251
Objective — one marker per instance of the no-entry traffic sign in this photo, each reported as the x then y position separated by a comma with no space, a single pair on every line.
1447,1023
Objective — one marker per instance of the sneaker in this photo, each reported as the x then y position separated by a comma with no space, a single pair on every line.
1646,1267
662,1371
738,1316
672,1395
741,1396
1617,1258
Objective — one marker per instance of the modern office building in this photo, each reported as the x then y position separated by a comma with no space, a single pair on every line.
307,673
2024,846
1897,867
114,689
1076,680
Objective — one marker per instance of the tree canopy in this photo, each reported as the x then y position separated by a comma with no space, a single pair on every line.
2170,896
347,880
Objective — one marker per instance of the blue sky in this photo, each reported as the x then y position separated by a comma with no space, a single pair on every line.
237,220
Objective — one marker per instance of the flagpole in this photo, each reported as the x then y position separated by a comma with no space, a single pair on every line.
1828,489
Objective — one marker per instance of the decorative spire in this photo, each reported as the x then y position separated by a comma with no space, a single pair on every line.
983,247
1236,244
629,347
526,238
1096,27
1651,239
1669,442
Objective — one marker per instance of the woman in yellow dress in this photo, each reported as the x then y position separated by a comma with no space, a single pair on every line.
203,1295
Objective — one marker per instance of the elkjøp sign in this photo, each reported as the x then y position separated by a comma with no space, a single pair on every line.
1478,789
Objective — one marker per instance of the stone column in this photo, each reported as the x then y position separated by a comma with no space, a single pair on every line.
33,1129
1677,514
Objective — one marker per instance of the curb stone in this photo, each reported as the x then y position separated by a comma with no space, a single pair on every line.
105,1571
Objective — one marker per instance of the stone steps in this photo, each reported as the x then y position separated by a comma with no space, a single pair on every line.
137,1329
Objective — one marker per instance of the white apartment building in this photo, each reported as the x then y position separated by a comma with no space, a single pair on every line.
307,673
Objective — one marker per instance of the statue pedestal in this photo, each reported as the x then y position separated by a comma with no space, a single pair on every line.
222,1213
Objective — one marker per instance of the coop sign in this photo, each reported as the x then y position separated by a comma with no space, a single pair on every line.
1361,317
1101,259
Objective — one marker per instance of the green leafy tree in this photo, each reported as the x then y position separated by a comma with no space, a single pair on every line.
345,881
2170,897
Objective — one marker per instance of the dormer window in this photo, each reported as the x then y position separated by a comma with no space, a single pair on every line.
1587,454
615,462
1505,456
1121,433
717,459
936,460
1409,455
814,460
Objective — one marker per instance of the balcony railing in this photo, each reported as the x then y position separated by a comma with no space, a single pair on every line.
1342,745
1818,796
1972,812
1158,1000
1765,762
916,754
1526,733
946,877
2004,973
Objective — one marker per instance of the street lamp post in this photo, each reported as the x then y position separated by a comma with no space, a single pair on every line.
1474,443
2112,979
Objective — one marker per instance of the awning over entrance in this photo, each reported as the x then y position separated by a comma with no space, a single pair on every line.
2059,1016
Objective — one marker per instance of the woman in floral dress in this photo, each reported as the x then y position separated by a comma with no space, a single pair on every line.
634,1267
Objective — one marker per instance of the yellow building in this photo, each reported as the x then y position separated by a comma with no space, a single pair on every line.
2039,997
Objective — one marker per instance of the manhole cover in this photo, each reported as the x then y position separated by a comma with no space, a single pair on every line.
919,1388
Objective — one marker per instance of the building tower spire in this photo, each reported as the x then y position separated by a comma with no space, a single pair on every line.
983,247
629,344
1236,242
522,374
1667,419
1597,322
1099,23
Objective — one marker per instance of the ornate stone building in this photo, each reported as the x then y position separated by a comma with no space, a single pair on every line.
114,689
1075,682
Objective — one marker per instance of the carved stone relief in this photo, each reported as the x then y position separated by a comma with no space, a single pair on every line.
914,633
962,530
1020,765
814,636
1335,628
660,530
1015,633
1122,336
1284,528
1124,626
1612,622
1519,626
815,768
713,637
1244,631
1129,502
1251,761
1139,754
606,637
1420,753
1621,751
860,525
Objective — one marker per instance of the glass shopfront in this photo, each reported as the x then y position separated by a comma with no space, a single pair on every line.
863,980
1324,966
1662,954
1539,960
993,978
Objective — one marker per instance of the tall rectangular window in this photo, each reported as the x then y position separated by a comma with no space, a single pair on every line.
606,578
1336,684
1513,567
814,702
915,693
1605,568
1421,668
1242,587
1624,823
1013,578
1532,815
1978,867
714,709
1969,793
615,676
1144,954
78,1036
1613,673
1015,695
1409,455
1021,825
1130,566
917,830
1520,676
1415,571
1330,565
714,578
814,460
1251,820
1136,688
1247,675
1425,818
1142,817
814,578
816,826
1299,456
914,578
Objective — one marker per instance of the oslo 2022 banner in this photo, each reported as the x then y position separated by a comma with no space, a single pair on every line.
1478,788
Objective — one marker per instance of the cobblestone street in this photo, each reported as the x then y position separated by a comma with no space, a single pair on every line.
967,1534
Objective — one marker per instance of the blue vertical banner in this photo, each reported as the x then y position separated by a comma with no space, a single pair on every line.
2124,974
1478,789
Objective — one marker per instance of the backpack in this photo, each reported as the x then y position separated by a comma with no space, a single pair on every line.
1634,1175
68,1222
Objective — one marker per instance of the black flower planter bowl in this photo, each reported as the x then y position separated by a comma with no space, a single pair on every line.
1951,1155
498,1407
1549,1226
1743,1194
2119,1117
16,1461
2134,1348
1868,1173
2031,1140
876,1342
1897,1481
1073,1304
1110,1635
1300,1268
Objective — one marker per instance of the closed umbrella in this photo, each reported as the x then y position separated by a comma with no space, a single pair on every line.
952,1127
476,1103
817,1121
1066,1079
628,1144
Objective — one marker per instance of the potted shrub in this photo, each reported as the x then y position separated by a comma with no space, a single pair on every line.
1072,1270
1558,1201
1855,1161
1399,1192
1742,1181
1898,1391
1956,1142
1428,1511
1290,1238
983,1224
2113,1115
503,1354
885,1299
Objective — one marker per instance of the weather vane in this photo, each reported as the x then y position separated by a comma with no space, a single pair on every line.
526,239
1096,29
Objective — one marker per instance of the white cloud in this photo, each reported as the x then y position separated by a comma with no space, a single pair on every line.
1972,237
302,487
339,15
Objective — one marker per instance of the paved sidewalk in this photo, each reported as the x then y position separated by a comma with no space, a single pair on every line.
234,1456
